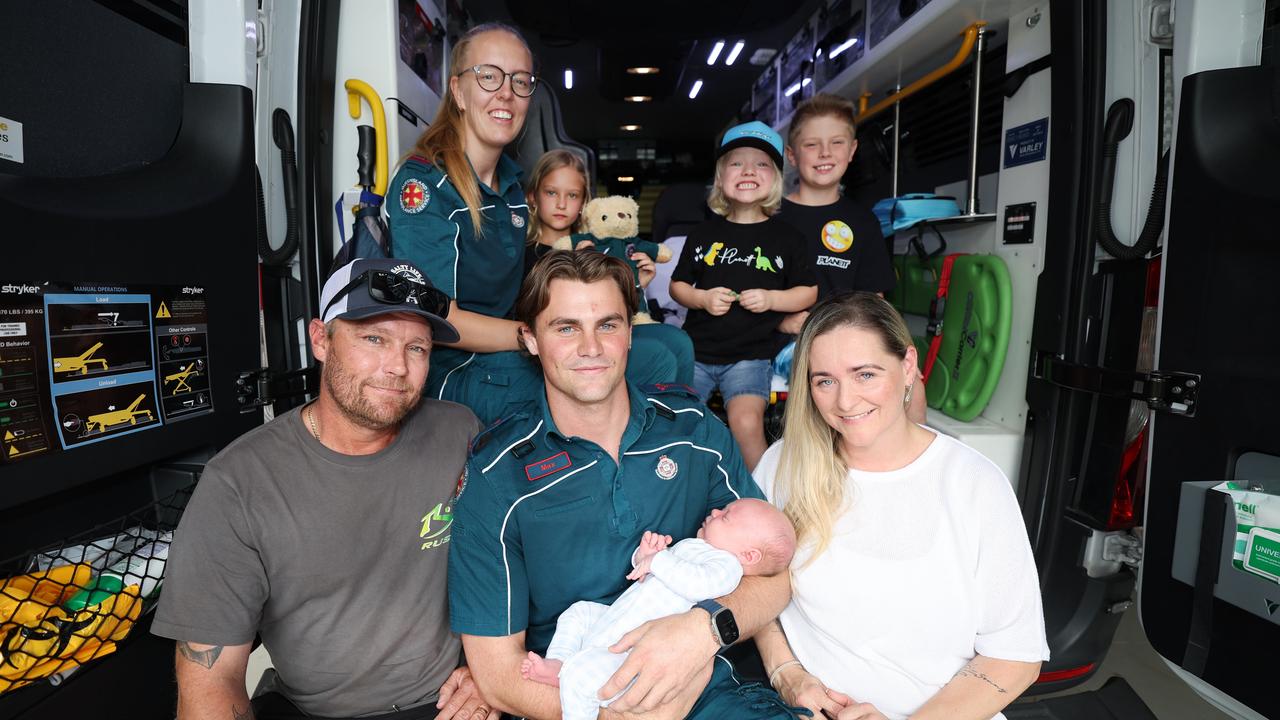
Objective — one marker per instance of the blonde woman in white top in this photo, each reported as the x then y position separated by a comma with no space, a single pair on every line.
914,590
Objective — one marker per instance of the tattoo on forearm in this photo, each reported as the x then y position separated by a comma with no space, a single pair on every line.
200,657
970,671
237,715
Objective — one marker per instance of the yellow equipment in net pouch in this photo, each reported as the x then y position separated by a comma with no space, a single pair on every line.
39,637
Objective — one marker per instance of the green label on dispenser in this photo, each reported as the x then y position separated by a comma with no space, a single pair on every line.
1263,553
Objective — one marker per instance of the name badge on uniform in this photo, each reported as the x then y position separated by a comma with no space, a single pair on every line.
542,468
667,468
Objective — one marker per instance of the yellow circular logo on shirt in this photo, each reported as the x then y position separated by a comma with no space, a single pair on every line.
837,236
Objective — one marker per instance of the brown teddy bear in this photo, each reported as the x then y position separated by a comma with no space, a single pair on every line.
612,227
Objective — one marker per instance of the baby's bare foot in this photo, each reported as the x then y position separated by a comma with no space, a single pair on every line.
541,670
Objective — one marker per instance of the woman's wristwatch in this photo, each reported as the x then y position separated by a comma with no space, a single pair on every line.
724,628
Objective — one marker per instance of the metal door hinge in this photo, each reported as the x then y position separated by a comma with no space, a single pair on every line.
1171,392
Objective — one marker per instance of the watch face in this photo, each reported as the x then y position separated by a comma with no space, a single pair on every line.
727,627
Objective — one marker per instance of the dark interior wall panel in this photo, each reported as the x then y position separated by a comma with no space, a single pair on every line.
98,91
1219,296
187,219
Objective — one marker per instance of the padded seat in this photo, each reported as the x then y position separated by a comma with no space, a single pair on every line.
544,131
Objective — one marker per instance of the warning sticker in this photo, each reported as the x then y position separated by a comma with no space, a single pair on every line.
10,140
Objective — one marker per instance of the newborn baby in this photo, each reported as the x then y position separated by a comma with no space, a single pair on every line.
748,537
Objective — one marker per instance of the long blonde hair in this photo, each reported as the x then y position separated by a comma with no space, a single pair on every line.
551,161
719,204
443,144
811,472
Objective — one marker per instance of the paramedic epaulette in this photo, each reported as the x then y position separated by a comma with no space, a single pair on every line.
495,429
671,399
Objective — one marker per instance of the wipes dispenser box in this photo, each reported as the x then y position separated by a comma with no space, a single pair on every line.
1257,545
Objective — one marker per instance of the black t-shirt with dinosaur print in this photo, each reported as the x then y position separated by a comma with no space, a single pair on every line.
769,255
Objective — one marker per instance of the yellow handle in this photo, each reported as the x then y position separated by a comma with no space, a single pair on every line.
966,45
357,89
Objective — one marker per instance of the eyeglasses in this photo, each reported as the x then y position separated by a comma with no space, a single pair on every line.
491,77
391,289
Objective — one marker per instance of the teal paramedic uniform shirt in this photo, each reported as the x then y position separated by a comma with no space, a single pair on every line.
546,520
431,227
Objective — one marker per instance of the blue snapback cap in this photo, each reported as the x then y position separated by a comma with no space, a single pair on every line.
753,134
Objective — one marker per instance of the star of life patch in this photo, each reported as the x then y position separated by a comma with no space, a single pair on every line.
516,220
666,468
414,196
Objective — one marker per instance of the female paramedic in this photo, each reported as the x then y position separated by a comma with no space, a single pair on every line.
914,590
457,210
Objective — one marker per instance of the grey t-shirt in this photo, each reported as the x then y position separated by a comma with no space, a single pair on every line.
339,561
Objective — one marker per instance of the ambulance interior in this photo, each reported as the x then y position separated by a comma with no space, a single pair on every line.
136,338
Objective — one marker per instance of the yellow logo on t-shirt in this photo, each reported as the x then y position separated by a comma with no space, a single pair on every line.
837,236
436,534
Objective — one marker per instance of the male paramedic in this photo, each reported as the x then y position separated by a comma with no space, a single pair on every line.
556,498
325,531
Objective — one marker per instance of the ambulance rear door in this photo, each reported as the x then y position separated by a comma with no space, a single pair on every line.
1215,621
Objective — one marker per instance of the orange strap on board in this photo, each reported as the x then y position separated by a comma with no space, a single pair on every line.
936,310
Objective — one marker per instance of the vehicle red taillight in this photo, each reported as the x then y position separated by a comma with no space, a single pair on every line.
1128,484
1126,499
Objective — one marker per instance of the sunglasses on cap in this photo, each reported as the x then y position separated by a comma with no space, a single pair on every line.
391,289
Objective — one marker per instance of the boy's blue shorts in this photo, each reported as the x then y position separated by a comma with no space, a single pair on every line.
745,377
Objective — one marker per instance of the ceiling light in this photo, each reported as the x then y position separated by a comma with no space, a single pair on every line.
568,79
630,128
733,54
843,46
638,98
817,53
626,178
796,88
715,52
693,91
643,70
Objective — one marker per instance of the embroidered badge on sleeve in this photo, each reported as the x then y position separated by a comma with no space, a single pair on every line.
414,196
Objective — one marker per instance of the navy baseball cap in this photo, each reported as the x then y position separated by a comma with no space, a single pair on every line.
366,287
753,134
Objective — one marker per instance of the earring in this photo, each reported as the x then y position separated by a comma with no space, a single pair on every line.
906,400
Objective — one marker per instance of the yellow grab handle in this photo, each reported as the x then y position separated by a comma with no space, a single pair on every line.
966,45
357,89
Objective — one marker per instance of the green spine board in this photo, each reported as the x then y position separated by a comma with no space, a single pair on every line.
973,349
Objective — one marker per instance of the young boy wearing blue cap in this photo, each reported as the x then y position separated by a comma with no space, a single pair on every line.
739,275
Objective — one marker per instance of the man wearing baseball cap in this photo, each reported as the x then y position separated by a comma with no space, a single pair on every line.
325,531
